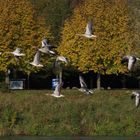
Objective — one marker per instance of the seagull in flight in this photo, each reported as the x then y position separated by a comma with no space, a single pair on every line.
57,90
46,47
60,59
17,52
36,61
131,60
89,31
57,65
45,43
136,95
84,86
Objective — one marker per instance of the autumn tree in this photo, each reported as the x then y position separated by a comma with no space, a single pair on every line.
55,12
19,27
111,25
134,13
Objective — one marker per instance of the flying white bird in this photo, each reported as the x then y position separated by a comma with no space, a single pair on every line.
57,91
45,43
17,52
137,97
0,53
36,61
131,60
46,47
89,31
60,59
84,86
57,66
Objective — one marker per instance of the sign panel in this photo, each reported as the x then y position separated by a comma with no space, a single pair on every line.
16,84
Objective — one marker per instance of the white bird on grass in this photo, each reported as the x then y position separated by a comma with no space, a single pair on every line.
36,61
136,95
131,60
89,31
57,91
84,86
46,47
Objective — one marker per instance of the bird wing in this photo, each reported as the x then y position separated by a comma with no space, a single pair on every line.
137,101
125,59
89,28
44,49
58,88
61,58
135,93
45,43
57,61
82,82
131,62
137,58
52,52
17,50
37,58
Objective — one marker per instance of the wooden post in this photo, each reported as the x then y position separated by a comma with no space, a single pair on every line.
28,81
98,81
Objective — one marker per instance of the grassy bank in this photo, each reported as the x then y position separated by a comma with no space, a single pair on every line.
106,112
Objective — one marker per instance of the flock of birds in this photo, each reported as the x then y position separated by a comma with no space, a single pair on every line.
129,59
36,61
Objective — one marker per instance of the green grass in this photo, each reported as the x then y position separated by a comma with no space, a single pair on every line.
106,112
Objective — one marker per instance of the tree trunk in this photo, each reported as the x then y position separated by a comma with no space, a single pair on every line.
7,80
124,81
91,82
28,81
15,73
98,81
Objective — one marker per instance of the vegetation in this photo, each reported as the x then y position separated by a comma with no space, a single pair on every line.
55,13
24,24
106,112
114,39
19,27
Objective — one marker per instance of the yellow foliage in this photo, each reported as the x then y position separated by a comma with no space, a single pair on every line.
113,41
20,27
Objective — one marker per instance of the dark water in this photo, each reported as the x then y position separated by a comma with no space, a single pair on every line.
67,138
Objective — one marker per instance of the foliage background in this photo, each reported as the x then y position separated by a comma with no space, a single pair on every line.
24,24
